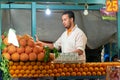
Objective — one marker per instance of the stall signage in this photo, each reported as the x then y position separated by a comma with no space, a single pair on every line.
112,5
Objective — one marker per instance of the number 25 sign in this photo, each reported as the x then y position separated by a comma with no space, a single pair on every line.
112,5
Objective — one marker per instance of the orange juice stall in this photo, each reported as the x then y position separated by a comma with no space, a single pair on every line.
28,59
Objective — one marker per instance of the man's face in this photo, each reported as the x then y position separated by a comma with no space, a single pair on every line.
66,21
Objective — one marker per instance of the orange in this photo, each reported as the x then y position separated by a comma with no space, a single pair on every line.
78,65
5,41
52,66
24,57
49,71
94,73
30,75
27,71
52,74
80,69
57,74
59,70
61,65
32,56
17,71
12,72
22,71
21,63
24,67
35,75
41,75
43,64
46,67
28,49
14,76
83,73
85,69
6,55
19,67
30,67
40,56
35,67
16,63
54,71
90,69
11,49
32,63
67,74
99,73
101,69
67,65
65,69
46,75
38,71
44,71
73,65
27,63
15,57
103,73
11,63
82,65
41,67
38,63
20,75
75,70
78,74
32,71
62,74
87,64
88,73
22,42
25,75
96,69
73,74
56,65
14,67
70,69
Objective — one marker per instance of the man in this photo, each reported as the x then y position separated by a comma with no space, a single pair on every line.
73,39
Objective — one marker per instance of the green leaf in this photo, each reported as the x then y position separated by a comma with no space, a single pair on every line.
4,68
3,46
5,33
56,52
47,53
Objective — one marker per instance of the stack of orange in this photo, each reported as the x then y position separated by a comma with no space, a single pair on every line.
39,69
27,51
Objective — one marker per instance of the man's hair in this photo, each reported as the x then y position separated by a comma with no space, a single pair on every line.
70,14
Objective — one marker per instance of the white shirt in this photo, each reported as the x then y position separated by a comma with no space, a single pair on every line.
76,40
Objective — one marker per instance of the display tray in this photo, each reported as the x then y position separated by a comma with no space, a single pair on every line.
68,58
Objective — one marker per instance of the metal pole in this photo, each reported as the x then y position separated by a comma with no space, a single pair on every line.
33,26
118,32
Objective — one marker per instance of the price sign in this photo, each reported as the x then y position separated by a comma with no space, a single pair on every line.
112,5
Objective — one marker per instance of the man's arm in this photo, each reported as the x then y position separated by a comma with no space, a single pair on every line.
50,45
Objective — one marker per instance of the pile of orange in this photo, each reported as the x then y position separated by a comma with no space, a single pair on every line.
28,49
39,69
